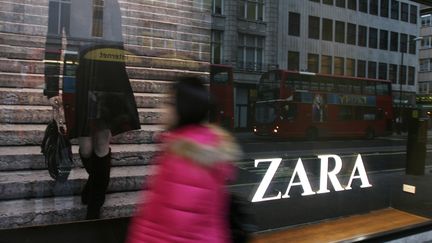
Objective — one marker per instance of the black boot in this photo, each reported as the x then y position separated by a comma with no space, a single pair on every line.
101,177
88,166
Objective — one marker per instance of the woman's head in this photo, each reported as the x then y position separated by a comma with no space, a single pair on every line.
191,102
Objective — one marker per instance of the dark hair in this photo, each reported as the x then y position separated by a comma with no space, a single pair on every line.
192,101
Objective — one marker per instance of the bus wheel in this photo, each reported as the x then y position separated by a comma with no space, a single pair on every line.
370,134
311,134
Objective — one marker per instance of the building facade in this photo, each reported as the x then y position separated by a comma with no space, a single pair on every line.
425,53
372,39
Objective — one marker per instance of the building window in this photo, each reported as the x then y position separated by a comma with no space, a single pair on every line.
313,63
362,35
326,64
352,4
426,42
412,44
350,67
340,32
59,16
402,74
97,26
294,24
217,46
293,60
423,88
383,39
382,71
363,6
411,75
327,29
361,68
394,41
426,20
351,34
384,8
315,1
395,9
413,14
251,9
373,7
393,73
329,2
403,42
424,65
404,12
250,52
217,7
314,27
372,67
340,3
339,66
373,38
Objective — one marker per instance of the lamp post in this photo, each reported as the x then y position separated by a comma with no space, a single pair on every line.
399,121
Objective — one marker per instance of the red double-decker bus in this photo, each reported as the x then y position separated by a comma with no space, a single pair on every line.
222,89
301,104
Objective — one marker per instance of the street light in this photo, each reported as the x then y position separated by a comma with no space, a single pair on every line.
399,122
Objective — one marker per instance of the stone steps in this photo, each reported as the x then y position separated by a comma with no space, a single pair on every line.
42,211
13,114
30,134
14,158
35,97
38,183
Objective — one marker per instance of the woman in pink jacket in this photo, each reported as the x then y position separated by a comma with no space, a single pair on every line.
187,200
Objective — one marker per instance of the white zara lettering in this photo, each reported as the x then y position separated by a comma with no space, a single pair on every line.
300,172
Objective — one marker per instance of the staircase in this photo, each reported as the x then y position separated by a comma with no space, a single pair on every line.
168,39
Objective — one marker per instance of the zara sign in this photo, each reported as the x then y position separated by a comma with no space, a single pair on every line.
358,173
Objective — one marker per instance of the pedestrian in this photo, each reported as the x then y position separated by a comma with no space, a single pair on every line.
187,200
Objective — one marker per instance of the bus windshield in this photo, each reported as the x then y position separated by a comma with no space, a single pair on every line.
265,112
269,86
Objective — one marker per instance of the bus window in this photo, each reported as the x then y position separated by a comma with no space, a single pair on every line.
365,113
220,77
288,111
314,85
369,88
383,89
345,113
265,113
356,87
289,84
330,86
344,86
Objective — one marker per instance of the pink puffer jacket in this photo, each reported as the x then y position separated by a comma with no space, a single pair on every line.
187,200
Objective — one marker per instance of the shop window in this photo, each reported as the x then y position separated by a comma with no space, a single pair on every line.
294,24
